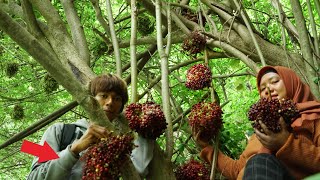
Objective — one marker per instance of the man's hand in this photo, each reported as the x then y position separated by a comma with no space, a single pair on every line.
273,141
93,135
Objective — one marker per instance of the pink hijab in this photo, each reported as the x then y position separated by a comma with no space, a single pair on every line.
309,107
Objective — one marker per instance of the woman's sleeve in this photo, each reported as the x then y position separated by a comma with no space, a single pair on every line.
229,167
303,151
58,168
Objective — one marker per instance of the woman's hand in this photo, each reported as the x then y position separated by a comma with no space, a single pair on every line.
93,135
273,141
196,136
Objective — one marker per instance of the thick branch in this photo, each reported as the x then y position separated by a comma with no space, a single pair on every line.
165,82
12,8
305,45
104,24
235,52
61,42
32,24
246,20
78,37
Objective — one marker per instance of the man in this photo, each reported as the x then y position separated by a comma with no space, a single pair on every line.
111,93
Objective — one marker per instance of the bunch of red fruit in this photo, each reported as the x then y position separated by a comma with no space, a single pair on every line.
146,119
104,159
195,43
192,170
187,13
199,76
269,112
206,118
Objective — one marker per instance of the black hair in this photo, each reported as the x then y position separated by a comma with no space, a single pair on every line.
108,83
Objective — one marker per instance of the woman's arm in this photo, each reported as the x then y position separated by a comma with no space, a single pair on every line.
229,167
303,150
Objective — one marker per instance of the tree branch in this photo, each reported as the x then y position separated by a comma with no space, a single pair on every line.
133,51
165,82
104,24
78,36
114,39
305,46
61,42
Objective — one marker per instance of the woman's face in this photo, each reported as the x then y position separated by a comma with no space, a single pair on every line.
271,85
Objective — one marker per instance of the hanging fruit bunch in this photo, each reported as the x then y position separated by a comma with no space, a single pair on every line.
12,69
145,25
18,112
146,119
195,43
187,13
49,84
104,159
206,118
269,111
192,170
199,76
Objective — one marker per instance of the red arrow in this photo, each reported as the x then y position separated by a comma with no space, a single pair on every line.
45,152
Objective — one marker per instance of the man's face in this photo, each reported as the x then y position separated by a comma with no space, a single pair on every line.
271,85
110,102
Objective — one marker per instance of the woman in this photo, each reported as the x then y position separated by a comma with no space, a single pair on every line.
296,155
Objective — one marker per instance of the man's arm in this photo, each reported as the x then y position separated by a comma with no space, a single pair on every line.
55,169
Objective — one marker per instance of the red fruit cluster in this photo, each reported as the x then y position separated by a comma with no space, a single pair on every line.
192,170
199,76
195,43
146,119
269,112
104,160
207,118
187,13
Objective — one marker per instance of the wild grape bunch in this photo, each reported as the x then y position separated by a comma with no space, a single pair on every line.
145,25
192,170
18,112
194,43
12,69
206,118
146,119
49,84
199,76
187,13
104,159
269,112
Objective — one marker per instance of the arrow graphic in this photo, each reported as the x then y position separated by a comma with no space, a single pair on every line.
45,152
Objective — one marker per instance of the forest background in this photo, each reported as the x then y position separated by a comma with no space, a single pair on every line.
49,51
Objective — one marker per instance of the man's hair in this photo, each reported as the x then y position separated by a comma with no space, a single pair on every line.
108,83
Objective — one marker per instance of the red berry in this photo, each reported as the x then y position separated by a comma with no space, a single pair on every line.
146,119
192,170
207,118
270,111
195,43
199,76
104,159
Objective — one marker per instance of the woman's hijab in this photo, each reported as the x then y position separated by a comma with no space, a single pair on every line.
300,93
